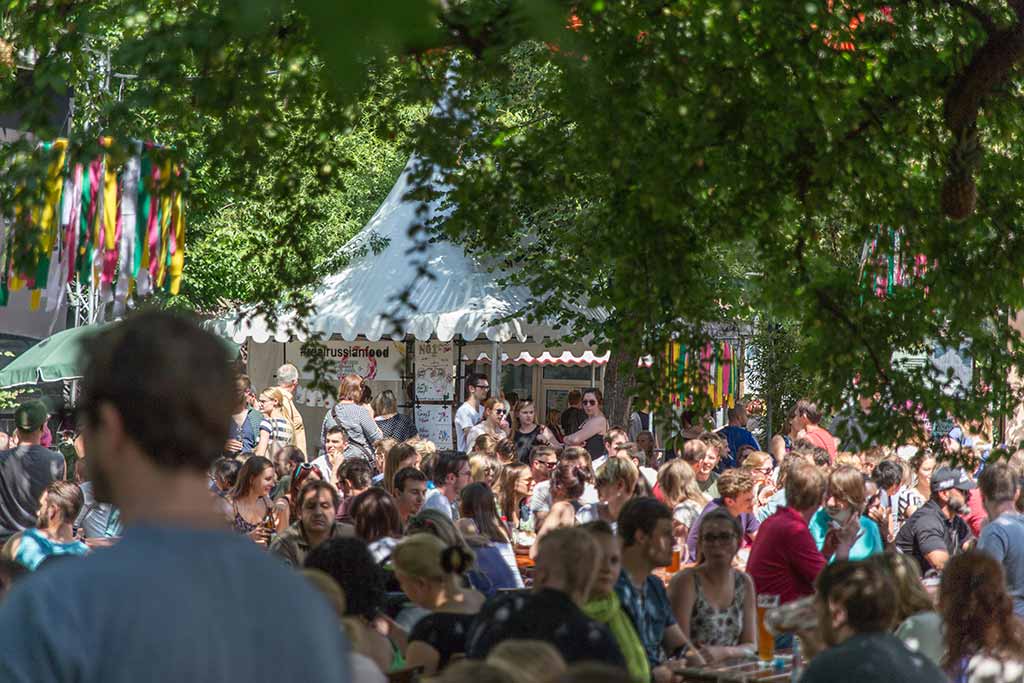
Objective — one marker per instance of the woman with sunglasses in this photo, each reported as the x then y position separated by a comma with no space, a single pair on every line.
494,413
759,464
714,603
591,432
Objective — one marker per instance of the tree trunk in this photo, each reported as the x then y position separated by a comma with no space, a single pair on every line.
619,381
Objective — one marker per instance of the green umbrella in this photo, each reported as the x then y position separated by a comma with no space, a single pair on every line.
51,360
58,358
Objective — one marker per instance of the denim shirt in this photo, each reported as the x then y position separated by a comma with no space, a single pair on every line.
650,610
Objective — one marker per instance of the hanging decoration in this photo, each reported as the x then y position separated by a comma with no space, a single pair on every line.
713,369
117,225
888,262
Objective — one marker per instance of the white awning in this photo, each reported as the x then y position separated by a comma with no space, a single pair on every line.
461,297
564,358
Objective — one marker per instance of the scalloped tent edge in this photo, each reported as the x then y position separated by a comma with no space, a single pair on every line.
463,298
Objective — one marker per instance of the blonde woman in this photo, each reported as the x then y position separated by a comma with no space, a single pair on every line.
430,575
275,429
616,485
485,468
678,484
759,464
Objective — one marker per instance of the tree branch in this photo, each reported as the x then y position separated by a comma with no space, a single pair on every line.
989,66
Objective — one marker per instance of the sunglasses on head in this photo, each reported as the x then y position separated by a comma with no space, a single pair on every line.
300,468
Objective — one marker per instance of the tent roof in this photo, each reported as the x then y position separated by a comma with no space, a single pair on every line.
462,297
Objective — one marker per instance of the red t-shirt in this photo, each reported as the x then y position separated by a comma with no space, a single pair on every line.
977,517
785,560
821,438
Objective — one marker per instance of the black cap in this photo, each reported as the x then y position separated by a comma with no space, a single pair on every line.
946,478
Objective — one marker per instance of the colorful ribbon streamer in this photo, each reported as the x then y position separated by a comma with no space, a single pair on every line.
119,226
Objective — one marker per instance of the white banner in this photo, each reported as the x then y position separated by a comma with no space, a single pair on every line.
381,361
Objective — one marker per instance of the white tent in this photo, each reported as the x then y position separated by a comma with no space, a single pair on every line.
462,298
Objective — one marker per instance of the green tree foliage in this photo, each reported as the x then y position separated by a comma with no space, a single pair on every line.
675,163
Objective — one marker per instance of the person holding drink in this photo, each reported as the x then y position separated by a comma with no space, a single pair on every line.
713,602
252,512
785,561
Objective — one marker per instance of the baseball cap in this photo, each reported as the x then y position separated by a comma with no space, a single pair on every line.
946,478
31,415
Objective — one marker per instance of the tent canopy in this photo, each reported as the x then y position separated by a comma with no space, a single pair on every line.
463,296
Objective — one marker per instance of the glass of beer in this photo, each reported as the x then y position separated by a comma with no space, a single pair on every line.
765,639
675,564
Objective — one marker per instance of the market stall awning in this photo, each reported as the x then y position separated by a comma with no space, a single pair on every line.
461,297
526,358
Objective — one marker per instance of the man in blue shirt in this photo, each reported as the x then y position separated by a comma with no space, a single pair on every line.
737,435
645,528
178,598
1003,536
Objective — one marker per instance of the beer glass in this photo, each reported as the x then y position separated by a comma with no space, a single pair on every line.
765,639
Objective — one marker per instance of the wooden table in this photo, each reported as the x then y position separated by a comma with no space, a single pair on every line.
736,672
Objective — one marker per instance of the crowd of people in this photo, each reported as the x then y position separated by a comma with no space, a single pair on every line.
209,530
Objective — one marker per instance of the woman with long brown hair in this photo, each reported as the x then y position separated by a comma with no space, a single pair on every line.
476,503
514,487
678,484
252,512
398,457
981,631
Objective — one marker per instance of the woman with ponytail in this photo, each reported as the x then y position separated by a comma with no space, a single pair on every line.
430,573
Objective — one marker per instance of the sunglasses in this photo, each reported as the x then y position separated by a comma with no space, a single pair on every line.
300,468
590,402
545,463
481,386
500,411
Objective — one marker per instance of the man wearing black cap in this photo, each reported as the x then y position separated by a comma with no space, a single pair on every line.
26,471
936,532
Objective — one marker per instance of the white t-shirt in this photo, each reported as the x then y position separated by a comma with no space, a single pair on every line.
436,500
540,499
478,431
650,474
466,417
